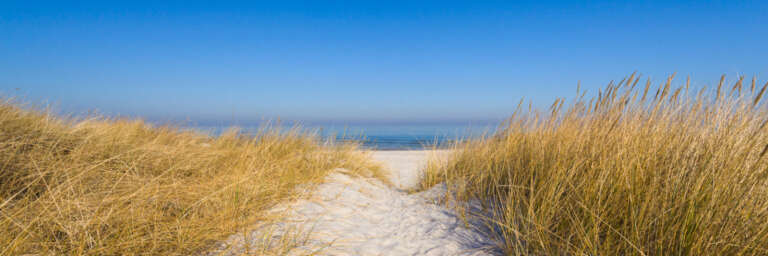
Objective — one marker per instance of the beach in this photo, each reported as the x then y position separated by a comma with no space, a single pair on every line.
364,216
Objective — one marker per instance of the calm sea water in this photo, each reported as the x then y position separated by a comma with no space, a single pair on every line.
387,136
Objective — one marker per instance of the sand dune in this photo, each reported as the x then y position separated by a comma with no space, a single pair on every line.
355,216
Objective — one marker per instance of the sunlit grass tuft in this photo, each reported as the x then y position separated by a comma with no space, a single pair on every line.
635,170
113,187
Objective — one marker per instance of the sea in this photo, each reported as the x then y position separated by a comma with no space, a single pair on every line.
379,136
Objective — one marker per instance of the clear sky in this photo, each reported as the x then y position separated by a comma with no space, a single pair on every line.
359,60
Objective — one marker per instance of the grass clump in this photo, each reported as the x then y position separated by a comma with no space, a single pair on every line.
632,171
113,187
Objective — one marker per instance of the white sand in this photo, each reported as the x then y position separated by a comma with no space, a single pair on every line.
404,166
354,216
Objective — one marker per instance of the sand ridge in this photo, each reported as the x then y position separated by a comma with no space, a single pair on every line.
358,216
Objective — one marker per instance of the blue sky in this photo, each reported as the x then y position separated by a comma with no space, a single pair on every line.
360,60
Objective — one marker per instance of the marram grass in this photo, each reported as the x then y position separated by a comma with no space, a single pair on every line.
635,170
121,187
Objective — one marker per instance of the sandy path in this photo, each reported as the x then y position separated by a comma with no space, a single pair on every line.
354,216
404,166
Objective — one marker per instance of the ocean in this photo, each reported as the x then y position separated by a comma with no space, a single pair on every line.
384,136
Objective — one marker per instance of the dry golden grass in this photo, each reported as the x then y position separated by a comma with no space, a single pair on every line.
633,171
108,187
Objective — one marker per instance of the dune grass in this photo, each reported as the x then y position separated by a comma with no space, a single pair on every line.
635,170
114,187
